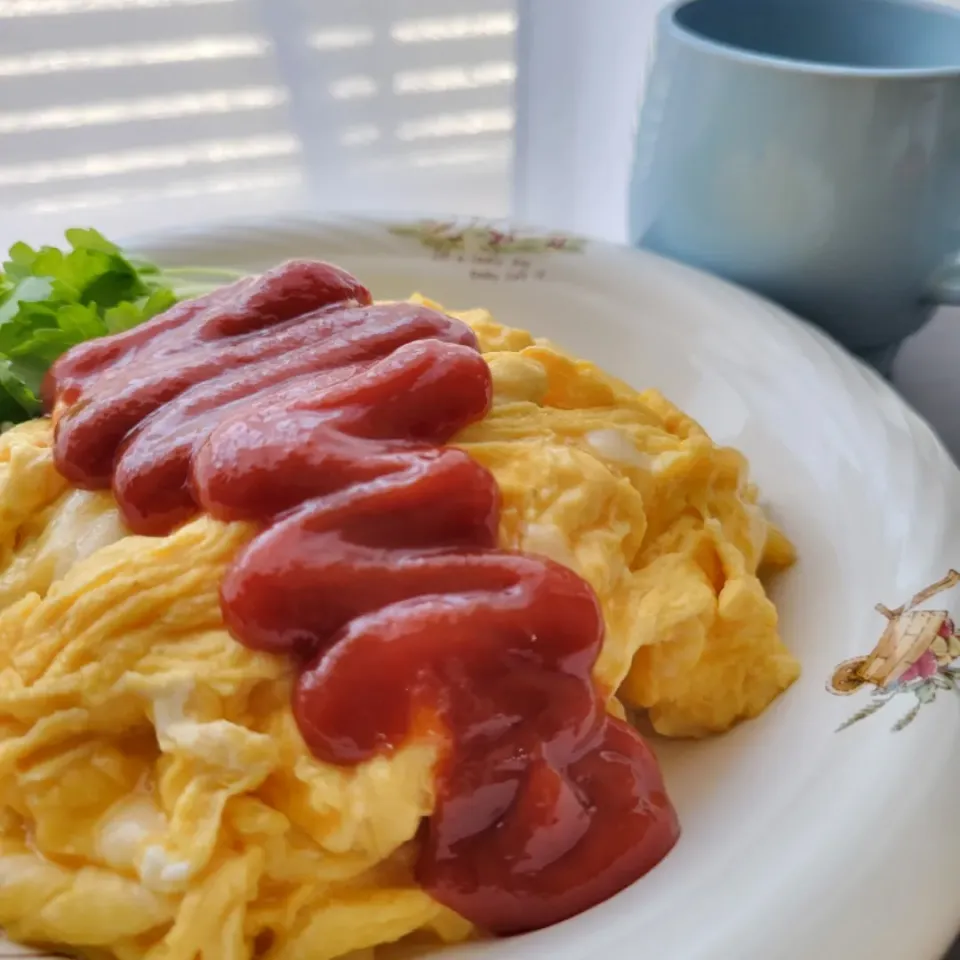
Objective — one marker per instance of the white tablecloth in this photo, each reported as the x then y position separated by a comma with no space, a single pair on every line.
926,373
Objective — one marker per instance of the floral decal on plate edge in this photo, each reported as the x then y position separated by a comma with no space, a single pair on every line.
918,655
484,237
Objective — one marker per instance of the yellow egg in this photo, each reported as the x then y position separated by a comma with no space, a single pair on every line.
158,802
631,493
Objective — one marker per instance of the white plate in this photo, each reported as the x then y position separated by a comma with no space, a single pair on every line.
798,841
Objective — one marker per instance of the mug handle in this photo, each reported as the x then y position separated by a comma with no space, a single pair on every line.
942,290
943,287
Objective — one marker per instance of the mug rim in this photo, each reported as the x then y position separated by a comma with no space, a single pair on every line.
669,25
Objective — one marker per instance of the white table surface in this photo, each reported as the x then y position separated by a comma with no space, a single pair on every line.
927,373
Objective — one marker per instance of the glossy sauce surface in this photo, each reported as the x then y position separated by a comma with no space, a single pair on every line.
291,400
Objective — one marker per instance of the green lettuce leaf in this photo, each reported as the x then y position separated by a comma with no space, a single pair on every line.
52,299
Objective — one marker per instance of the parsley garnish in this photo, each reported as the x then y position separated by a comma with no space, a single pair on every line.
51,300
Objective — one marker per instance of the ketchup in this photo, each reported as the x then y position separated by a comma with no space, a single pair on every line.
294,401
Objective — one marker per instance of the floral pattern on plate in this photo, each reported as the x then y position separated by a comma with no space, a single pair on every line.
918,654
482,237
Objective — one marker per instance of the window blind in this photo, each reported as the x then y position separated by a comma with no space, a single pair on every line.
141,113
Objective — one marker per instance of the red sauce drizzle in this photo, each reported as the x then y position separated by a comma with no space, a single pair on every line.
291,400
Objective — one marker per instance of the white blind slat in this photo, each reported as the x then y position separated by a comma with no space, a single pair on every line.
139,111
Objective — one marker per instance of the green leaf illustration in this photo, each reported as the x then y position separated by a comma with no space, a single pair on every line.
908,718
483,239
868,711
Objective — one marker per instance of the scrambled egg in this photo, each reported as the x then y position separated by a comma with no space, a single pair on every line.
631,493
156,800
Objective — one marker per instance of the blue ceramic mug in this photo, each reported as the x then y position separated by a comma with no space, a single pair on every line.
810,150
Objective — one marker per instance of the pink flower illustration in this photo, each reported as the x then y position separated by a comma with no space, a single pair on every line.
948,628
923,669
